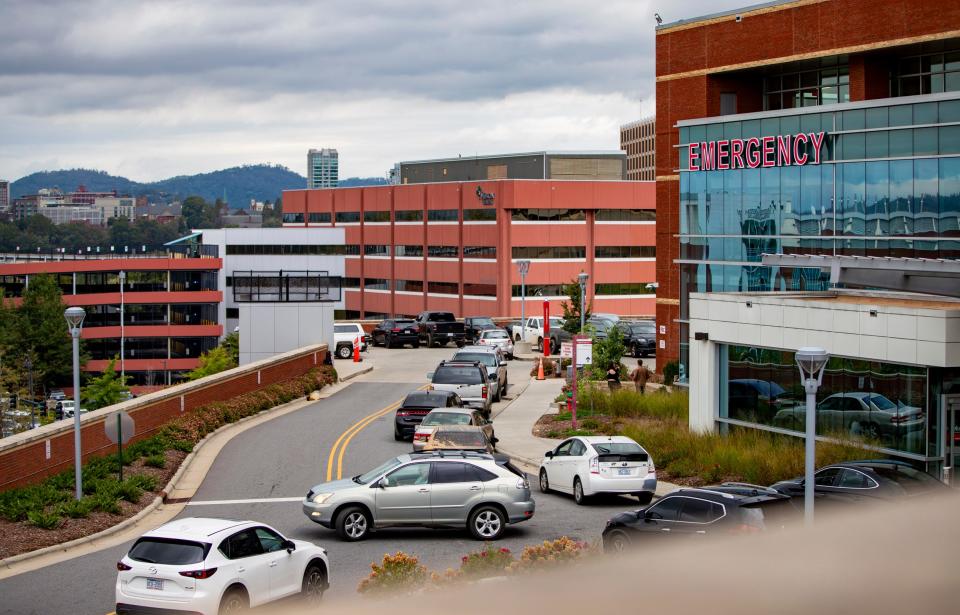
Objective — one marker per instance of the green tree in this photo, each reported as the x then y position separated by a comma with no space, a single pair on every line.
212,362
105,390
197,213
607,352
571,308
42,331
232,345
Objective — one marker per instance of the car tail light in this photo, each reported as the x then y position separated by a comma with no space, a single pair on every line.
198,574
522,483
121,567
484,392
594,465
395,330
420,436
402,413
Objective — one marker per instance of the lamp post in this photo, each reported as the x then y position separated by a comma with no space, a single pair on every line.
28,365
811,361
524,267
75,316
583,277
123,364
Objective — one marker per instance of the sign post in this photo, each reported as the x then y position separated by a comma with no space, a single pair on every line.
119,428
546,328
582,355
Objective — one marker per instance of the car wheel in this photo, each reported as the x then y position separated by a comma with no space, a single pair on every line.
871,431
314,584
636,352
461,344
539,344
344,352
397,435
578,496
234,601
487,523
645,498
416,344
544,481
616,541
353,524
517,339
430,341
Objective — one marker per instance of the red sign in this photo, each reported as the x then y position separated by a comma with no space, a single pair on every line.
546,328
779,151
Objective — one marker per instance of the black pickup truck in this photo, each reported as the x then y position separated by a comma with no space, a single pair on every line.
438,328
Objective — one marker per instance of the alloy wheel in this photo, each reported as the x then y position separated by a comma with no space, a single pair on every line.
487,523
314,586
356,525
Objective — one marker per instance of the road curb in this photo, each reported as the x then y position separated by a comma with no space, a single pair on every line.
163,498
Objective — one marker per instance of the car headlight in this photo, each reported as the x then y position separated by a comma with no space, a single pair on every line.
320,498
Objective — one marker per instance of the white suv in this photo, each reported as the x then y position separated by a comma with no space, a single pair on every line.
587,465
344,334
213,566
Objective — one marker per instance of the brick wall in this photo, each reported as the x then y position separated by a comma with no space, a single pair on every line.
24,458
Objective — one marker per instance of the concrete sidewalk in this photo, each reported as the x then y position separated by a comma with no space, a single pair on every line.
514,427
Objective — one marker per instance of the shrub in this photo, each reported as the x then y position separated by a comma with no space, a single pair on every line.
627,403
156,461
130,491
44,520
76,509
488,561
396,573
670,372
550,554
106,503
143,481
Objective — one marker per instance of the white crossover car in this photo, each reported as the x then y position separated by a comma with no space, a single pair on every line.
215,566
588,465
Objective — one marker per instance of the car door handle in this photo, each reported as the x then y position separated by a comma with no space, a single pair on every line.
664,529
241,569
273,564
423,490
475,488
701,531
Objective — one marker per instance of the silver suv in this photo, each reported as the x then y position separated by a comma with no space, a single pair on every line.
468,379
492,359
436,489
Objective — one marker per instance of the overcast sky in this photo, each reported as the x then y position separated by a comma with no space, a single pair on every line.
154,89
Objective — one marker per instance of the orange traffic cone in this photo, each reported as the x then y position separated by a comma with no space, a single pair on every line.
540,370
356,350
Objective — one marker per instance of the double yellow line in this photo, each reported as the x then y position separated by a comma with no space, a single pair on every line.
340,446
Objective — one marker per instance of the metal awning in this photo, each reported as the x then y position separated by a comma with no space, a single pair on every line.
189,238
932,276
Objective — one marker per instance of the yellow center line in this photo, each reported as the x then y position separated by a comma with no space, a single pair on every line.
367,421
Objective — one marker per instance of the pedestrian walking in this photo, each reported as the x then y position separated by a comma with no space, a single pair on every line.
613,377
640,375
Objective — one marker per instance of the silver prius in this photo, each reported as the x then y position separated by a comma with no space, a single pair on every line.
479,491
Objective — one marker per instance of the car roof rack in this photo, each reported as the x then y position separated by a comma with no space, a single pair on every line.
722,494
452,453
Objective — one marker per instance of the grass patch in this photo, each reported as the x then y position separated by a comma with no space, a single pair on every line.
76,509
106,503
47,521
156,461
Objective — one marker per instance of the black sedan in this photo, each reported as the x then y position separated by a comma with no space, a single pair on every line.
696,513
395,332
863,481
418,405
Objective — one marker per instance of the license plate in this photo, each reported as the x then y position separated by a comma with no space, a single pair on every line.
623,471
408,331
449,334
155,584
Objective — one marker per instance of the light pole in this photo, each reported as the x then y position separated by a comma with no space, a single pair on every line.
583,277
812,361
28,365
123,364
524,267
75,316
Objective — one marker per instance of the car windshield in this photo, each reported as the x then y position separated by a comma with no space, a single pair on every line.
644,328
421,400
882,402
487,358
446,418
616,448
168,551
496,334
483,321
442,317
383,468
457,375
556,323
446,437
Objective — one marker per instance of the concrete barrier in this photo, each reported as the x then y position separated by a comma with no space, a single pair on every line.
33,455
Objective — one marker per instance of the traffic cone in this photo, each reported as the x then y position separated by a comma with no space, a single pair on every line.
540,370
356,350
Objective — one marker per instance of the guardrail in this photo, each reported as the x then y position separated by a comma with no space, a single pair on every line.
33,455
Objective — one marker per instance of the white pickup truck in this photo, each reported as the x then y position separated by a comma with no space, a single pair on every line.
344,334
532,330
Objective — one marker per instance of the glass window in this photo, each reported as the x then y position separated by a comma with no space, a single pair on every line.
827,477
667,509
443,288
541,290
548,215
852,479
626,215
376,250
451,472
245,543
475,215
480,290
376,216
443,215
484,252
411,215
292,218
577,449
319,217
376,284
949,197
168,551
410,286
537,252
443,251
347,216
699,511
269,540
625,252
408,250
924,141
949,137
413,474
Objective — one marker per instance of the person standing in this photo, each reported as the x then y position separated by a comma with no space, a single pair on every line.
613,377
640,375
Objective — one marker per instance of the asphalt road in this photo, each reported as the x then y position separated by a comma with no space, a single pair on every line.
283,458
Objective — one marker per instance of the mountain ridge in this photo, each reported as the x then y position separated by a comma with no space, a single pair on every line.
239,184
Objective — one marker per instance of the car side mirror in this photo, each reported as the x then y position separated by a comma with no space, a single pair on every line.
494,440
383,483
502,363
548,454
289,546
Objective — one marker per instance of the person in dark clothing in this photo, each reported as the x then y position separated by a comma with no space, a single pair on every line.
613,377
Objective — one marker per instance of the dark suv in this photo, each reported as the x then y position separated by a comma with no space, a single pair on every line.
694,513
418,405
639,337
396,332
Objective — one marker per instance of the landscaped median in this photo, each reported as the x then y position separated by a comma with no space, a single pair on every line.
658,421
47,513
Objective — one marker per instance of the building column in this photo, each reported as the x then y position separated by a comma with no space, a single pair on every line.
704,378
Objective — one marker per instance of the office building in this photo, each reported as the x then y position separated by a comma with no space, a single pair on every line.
455,245
323,168
638,140
4,195
587,166
803,147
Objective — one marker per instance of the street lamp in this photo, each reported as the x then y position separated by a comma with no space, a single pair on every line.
524,267
123,364
75,316
812,361
28,365
583,277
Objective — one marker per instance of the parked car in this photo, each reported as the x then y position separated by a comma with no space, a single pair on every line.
599,327
395,332
449,416
495,363
417,405
863,481
532,331
499,339
68,408
762,398
693,513
344,335
639,336
859,413
613,318
437,489
588,465
475,325
510,326
468,380
213,566
460,437
57,395
558,335
439,328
